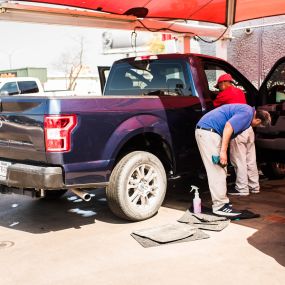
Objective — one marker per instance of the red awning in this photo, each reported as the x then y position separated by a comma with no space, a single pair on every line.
225,12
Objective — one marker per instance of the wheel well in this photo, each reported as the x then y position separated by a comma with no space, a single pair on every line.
152,143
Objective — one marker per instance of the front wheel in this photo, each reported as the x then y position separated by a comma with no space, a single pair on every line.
137,186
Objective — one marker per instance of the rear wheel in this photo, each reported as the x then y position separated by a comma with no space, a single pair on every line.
274,170
137,186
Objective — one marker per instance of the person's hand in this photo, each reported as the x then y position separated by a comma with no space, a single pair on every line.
223,158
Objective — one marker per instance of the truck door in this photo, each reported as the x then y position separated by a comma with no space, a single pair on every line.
103,75
213,68
270,141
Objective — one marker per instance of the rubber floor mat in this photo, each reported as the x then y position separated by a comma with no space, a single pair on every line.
146,242
245,214
167,233
204,221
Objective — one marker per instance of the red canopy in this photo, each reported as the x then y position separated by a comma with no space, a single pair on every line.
225,12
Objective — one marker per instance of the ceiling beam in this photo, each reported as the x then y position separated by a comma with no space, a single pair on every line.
48,14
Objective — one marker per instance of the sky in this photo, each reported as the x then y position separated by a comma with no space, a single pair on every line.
42,45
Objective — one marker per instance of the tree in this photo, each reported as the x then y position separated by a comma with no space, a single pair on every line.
72,63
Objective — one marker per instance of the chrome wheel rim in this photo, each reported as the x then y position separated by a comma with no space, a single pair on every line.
143,187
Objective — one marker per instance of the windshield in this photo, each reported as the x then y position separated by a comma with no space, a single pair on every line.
148,77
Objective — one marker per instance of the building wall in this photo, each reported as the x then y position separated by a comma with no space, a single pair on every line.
84,85
255,52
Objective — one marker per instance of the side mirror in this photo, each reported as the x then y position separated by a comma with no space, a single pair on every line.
4,93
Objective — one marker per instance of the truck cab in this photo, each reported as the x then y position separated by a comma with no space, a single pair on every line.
20,85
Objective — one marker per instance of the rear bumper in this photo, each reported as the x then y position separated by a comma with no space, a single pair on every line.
40,177
30,176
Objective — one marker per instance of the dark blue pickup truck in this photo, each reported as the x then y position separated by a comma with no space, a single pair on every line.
132,139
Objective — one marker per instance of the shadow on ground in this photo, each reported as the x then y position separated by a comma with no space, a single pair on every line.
41,216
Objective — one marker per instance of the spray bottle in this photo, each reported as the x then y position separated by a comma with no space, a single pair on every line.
196,200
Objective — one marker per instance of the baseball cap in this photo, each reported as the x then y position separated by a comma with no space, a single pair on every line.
224,77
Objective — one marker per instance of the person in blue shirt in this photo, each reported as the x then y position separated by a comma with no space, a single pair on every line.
213,134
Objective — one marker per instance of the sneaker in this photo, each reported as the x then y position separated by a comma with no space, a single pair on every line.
254,191
227,211
235,192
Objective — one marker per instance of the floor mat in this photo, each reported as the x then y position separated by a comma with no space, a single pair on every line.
166,234
245,214
203,221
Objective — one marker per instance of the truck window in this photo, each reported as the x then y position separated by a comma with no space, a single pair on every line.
28,87
276,85
148,77
213,72
11,88
214,69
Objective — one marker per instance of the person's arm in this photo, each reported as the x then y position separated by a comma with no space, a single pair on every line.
227,133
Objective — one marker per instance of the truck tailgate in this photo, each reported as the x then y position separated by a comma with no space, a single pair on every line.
21,128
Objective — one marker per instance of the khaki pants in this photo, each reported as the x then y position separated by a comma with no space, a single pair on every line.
209,144
243,158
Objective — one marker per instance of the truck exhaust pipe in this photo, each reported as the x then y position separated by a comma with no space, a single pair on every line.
83,195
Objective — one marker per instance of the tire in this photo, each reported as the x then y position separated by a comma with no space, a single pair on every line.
54,194
274,170
137,186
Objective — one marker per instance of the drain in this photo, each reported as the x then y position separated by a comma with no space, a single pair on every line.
5,244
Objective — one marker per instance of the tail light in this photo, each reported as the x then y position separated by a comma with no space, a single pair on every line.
58,130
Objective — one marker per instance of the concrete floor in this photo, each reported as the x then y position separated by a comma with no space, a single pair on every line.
73,242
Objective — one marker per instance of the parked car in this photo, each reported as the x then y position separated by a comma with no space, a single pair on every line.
132,140
20,85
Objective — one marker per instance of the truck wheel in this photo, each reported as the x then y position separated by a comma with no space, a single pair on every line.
137,186
274,170
54,194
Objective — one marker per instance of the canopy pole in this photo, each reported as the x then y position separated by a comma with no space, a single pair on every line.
186,44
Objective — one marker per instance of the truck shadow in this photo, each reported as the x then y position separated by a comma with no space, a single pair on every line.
39,216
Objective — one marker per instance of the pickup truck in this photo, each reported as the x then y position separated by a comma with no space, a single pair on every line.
20,85
131,140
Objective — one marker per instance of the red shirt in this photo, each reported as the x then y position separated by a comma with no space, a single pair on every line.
231,95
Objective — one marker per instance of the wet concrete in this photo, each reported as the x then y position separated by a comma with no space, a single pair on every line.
69,241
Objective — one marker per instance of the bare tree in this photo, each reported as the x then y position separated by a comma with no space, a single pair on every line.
72,63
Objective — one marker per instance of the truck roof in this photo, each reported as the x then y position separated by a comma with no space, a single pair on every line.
167,56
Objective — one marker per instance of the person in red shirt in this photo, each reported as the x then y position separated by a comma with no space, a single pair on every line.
228,94
242,148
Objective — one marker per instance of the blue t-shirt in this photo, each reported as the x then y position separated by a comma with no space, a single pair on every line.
238,115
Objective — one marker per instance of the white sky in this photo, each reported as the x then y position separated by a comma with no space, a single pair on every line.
41,45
